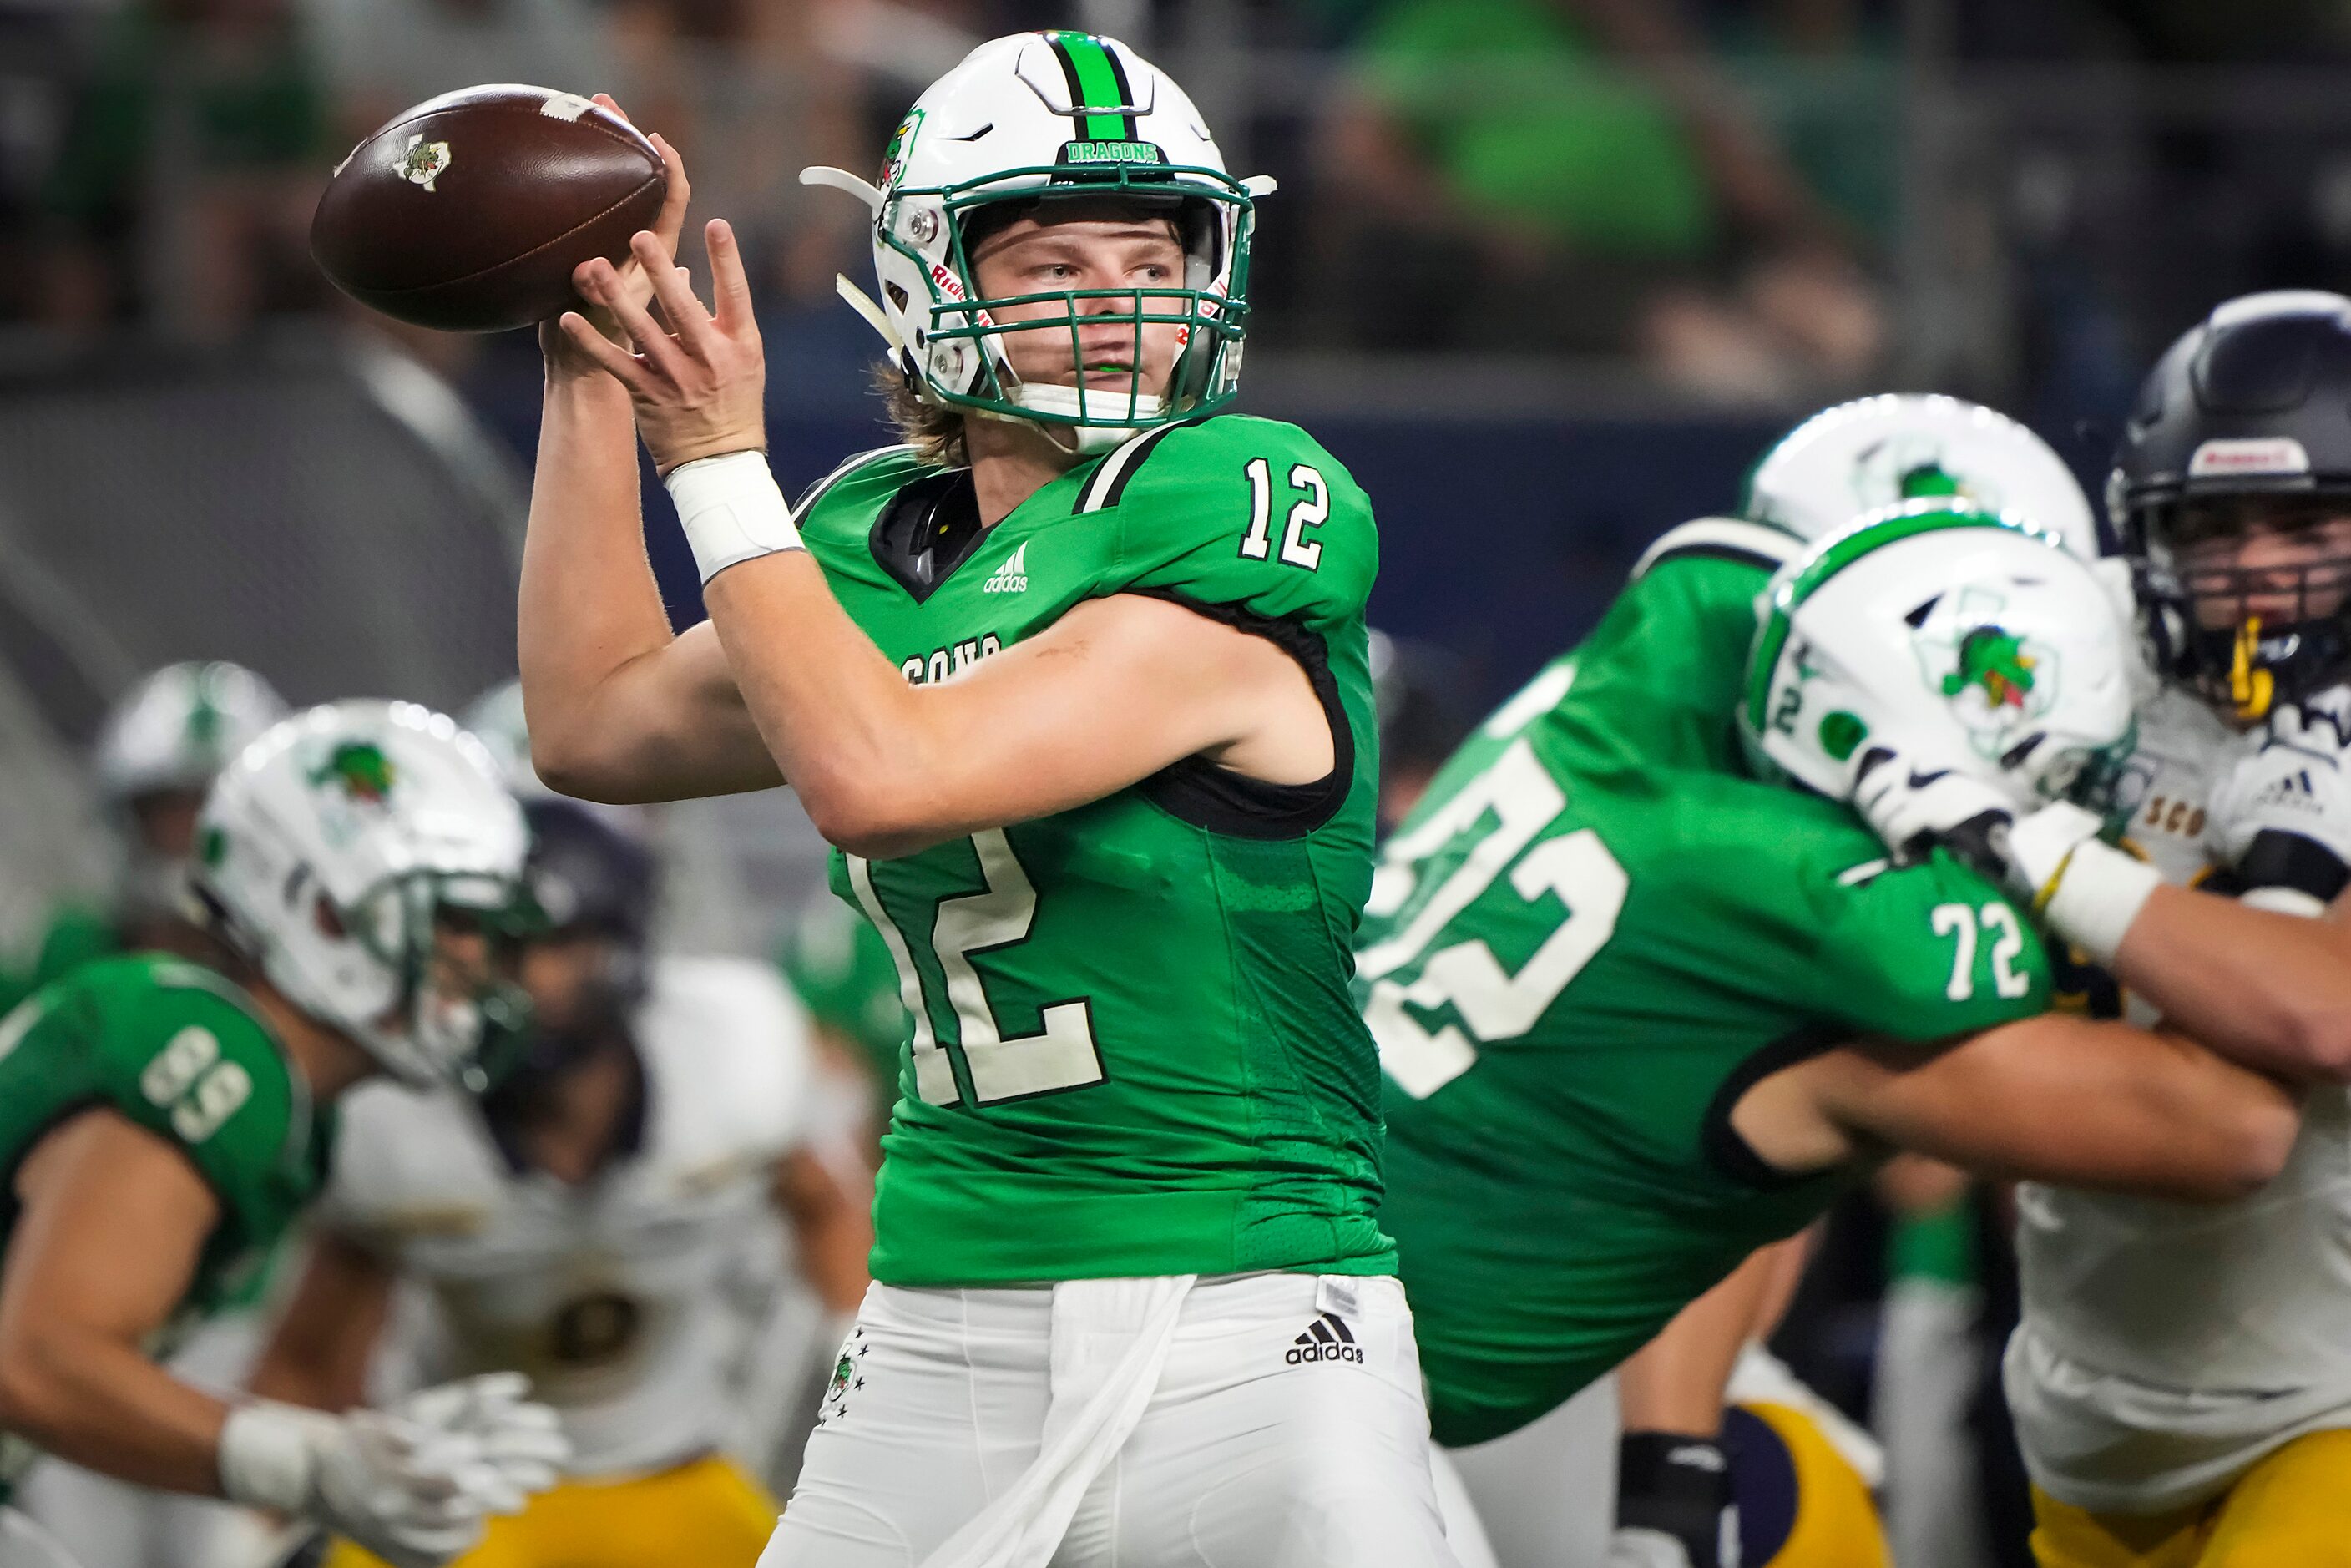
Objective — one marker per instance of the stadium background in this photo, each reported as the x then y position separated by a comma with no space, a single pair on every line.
1545,274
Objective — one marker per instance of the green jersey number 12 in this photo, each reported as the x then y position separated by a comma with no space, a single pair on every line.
1060,1056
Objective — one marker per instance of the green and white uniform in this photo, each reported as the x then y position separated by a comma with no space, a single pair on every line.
182,1054
1135,1071
1591,937
1132,1050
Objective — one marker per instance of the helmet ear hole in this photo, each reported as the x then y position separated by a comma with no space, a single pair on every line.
330,925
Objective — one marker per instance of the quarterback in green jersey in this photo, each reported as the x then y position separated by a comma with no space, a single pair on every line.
1644,1007
161,1124
1077,681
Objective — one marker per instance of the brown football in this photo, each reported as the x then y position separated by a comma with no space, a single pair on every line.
469,212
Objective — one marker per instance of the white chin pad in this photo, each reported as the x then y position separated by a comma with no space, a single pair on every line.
1062,402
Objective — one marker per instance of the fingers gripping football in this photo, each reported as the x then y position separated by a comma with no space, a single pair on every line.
700,387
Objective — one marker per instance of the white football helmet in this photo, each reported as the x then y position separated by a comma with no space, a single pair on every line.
1035,117
178,726
329,848
1875,451
1981,635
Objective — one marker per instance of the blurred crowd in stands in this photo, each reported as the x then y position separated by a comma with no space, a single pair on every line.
1766,202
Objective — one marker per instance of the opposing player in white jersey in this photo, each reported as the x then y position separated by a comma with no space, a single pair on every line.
2181,1380
604,1219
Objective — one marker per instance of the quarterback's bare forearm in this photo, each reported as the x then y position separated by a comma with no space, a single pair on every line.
2063,1099
112,1221
1112,692
619,709
2271,990
317,1356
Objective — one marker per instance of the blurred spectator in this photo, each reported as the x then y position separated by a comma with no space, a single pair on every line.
745,91
192,160
382,56
1572,174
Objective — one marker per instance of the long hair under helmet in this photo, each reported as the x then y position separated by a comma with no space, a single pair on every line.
1033,119
2246,419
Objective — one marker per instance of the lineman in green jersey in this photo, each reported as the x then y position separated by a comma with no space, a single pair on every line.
162,1123
1077,680
1643,1011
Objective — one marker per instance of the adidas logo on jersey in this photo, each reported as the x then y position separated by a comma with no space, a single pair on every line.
1012,577
1325,1339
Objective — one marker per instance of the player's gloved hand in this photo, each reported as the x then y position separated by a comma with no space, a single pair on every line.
524,1440
2085,891
1674,1508
2281,819
412,1495
1916,801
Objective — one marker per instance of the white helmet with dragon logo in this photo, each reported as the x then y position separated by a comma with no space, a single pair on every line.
1981,633
330,848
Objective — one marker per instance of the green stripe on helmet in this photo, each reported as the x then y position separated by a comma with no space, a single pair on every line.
1095,79
1840,551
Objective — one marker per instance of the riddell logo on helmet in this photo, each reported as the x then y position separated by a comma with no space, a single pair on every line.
2249,454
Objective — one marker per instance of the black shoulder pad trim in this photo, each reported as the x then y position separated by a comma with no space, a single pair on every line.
1732,1154
816,492
1200,793
1732,540
926,531
1107,482
1715,552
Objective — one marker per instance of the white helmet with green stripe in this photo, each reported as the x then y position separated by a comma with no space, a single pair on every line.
1966,635
179,725
1874,452
1032,117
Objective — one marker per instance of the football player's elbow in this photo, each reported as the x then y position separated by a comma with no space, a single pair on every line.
33,1385
2322,1044
875,824
2249,1136
569,768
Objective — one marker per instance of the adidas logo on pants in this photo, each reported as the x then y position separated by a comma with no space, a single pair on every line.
1325,1339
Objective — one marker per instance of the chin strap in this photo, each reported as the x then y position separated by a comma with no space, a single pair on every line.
862,303
2251,687
842,180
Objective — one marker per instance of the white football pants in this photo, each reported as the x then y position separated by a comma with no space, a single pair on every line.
1285,1429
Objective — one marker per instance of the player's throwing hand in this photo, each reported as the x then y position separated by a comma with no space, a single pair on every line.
699,389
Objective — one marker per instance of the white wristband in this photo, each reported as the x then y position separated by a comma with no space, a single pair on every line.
2099,891
731,510
268,1455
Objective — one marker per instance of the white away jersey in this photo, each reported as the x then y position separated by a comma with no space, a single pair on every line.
627,1299
2166,1346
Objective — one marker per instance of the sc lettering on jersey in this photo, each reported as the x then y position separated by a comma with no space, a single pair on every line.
942,664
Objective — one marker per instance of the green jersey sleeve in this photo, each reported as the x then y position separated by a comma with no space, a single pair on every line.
1237,511
178,1053
1925,952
